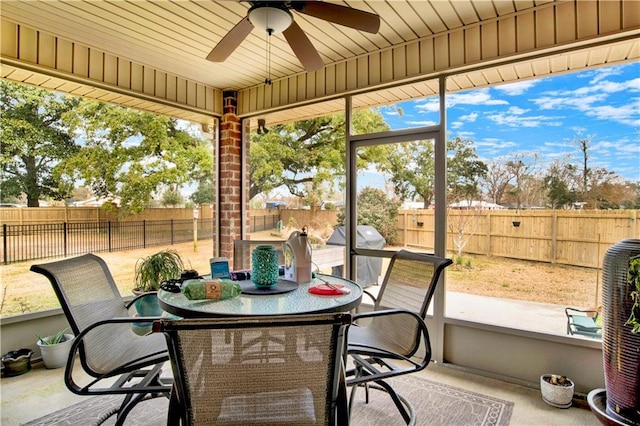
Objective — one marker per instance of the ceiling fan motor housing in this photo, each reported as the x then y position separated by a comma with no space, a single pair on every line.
273,17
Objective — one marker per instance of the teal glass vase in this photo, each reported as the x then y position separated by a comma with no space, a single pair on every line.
264,266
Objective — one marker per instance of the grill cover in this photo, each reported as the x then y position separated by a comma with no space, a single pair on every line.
367,237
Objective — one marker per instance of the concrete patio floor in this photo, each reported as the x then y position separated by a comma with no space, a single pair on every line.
42,391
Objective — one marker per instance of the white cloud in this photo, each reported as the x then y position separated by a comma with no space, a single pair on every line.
422,123
524,121
469,118
568,99
602,73
517,110
515,89
430,105
615,87
625,114
476,97
466,135
495,143
587,98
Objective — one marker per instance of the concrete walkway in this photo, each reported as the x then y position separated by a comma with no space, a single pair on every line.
520,314
533,316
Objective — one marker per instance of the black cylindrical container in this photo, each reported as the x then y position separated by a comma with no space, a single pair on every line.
620,347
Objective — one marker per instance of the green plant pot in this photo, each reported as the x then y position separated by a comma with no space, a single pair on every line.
17,362
146,307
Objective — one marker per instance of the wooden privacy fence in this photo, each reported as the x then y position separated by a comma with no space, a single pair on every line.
44,215
571,237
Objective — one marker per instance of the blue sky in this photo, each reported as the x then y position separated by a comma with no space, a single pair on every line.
545,116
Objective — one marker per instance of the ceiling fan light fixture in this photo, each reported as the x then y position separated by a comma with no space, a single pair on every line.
268,18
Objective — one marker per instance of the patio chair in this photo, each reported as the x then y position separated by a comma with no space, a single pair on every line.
583,322
393,339
117,360
221,379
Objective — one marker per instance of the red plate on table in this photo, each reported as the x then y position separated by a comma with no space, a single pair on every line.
329,290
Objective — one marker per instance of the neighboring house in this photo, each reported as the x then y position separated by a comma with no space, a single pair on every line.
273,205
476,205
96,202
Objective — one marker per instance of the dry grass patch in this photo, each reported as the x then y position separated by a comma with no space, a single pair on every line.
25,291
524,280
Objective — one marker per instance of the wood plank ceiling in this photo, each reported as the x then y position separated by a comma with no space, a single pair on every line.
175,36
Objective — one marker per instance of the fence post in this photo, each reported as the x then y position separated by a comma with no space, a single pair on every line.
4,243
144,233
171,231
554,236
488,228
64,238
109,236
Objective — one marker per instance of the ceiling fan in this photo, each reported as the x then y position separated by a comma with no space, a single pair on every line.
275,16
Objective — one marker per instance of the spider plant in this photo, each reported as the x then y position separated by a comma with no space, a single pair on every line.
633,277
59,337
152,270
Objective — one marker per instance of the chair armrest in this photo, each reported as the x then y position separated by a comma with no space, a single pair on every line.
141,296
423,334
385,312
78,340
373,298
93,387
376,360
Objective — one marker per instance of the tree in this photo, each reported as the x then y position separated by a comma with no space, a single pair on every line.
608,190
412,169
34,138
559,182
130,154
521,166
376,209
496,180
583,145
308,151
463,225
172,197
204,192
464,170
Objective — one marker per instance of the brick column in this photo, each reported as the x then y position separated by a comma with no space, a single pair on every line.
230,175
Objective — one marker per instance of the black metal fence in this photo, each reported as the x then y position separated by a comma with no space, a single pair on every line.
28,242
264,222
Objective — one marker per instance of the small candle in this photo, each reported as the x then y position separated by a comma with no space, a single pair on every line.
264,266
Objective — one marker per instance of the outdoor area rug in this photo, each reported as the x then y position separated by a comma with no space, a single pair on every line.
435,404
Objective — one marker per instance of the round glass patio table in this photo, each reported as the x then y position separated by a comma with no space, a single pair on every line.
298,301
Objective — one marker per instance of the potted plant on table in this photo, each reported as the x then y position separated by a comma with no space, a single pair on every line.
55,349
150,272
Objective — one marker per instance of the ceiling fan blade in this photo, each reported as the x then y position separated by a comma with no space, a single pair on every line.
230,41
342,15
302,47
